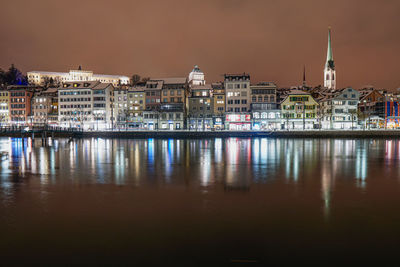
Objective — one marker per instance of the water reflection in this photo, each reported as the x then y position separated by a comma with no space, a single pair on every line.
233,164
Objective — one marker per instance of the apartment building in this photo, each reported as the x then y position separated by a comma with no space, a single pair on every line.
4,106
20,103
136,105
339,109
265,113
173,104
86,104
120,106
218,104
237,90
200,110
237,102
153,94
45,107
299,111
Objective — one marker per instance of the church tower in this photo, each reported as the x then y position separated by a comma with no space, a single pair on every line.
196,77
329,71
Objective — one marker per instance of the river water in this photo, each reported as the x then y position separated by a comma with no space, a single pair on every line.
200,202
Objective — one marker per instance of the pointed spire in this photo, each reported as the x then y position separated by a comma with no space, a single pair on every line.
304,75
329,55
330,64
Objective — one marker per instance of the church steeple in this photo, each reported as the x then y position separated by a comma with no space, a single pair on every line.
304,76
329,55
329,71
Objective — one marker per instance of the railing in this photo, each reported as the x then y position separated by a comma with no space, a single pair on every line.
22,129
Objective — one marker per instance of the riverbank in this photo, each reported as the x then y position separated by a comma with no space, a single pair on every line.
208,134
247,134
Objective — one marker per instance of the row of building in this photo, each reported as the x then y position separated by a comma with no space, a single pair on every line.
191,103
80,98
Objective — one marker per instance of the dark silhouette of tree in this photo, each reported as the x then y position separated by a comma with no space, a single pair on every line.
2,77
145,79
15,77
135,79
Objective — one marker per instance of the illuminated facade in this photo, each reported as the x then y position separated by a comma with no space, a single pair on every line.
45,107
20,103
196,77
237,122
338,110
136,105
265,114
200,107
173,104
153,94
41,77
218,103
237,89
329,71
86,105
4,106
120,105
299,111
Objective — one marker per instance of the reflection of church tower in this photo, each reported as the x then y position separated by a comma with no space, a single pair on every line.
329,71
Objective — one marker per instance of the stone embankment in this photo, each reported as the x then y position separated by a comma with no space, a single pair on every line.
352,134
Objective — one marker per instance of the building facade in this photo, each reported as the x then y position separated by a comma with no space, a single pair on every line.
299,111
20,103
265,113
45,107
4,107
136,105
196,77
173,106
41,77
86,105
120,105
200,111
339,109
218,104
237,90
153,94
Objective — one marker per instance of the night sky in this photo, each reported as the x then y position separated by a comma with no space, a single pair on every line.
270,39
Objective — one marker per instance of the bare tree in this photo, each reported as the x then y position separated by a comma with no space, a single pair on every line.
135,79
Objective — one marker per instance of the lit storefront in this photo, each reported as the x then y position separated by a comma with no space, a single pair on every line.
392,114
218,123
238,122
267,120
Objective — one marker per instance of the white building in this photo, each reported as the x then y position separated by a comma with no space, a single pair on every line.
329,70
238,94
41,77
121,106
339,109
86,105
196,77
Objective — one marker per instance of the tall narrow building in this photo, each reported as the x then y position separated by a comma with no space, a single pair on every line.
329,71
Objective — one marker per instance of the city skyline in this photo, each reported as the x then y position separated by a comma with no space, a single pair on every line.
272,40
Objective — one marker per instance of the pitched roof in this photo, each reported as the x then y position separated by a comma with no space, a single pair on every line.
176,80
201,87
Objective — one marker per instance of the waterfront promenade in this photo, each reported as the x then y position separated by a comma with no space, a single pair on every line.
55,132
